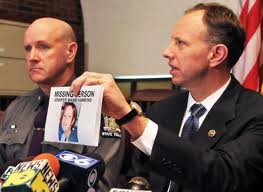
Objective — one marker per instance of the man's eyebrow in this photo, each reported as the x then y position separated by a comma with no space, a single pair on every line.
176,37
41,42
179,39
27,46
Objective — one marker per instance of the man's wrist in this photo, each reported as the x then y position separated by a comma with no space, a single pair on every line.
135,110
136,126
121,113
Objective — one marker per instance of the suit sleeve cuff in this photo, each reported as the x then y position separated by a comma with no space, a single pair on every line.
145,142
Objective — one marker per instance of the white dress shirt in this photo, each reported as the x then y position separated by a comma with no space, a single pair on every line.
145,142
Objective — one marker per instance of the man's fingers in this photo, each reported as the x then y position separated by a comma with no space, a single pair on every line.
77,83
87,78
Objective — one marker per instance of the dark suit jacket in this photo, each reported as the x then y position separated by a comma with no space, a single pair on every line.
231,160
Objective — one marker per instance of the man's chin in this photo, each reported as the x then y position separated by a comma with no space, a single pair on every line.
37,79
176,81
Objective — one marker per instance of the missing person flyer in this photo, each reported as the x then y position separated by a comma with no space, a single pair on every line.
74,119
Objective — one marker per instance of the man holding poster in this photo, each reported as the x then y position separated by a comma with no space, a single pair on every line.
210,137
50,46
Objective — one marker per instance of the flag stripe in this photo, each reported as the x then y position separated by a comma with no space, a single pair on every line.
252,80
248,57
247,69
243,14
252,20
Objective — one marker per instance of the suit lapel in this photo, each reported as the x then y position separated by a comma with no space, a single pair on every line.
178,113
223,111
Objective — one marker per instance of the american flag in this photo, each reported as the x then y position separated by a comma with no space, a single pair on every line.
248,69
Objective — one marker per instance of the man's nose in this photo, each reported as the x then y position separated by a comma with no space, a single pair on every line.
167,53
33,55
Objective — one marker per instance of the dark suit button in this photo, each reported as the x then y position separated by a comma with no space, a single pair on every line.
163,163
168,164
179,171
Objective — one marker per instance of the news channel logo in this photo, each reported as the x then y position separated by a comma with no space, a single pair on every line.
77,159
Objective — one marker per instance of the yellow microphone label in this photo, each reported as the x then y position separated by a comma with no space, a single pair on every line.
34,176
19,178
38,185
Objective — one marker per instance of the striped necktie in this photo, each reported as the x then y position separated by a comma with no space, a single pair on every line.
190,129
191,125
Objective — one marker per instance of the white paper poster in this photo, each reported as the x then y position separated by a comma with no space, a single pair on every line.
74,119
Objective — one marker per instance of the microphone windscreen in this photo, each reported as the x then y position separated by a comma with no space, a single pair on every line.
127,190
53,161
138,183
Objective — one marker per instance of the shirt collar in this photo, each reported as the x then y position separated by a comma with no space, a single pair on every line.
210,100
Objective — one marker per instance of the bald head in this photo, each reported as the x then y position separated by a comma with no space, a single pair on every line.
60,28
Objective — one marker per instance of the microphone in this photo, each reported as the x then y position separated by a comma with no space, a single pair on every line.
13,162
136,184
127,190
82,173
33,176
53,161
7,168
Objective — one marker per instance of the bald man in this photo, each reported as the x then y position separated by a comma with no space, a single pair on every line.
50,46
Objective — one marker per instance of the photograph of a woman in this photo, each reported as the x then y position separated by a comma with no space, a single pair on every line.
67,128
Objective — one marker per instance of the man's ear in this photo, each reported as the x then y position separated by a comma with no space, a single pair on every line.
217,55
71,51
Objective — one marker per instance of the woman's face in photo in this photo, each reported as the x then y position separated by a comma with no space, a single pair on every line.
67,118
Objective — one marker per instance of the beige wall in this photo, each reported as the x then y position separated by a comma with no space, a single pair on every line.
127,37
13,77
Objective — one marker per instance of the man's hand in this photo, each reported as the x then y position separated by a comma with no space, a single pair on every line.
114,103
